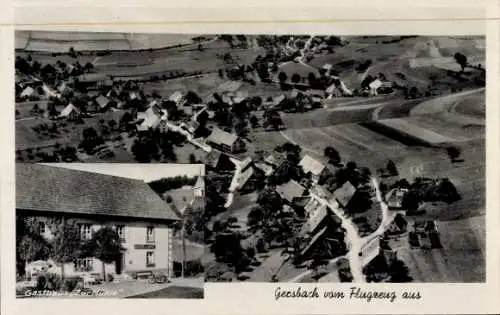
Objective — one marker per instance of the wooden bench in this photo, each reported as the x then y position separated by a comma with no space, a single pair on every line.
142,274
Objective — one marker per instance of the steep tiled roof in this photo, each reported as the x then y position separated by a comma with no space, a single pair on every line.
57,189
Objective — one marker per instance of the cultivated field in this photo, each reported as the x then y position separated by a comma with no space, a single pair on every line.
462,258
86,41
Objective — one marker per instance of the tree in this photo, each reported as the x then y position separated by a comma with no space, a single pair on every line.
91,139
311,77
391,168
88,66
453,153
332,155
254,121
282,77
30,245
140,151
398,272
66,244
461,59
105,245
296,78
221,73
125,121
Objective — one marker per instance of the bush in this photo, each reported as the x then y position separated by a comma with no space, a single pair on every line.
193,268
49,281
70,284
109,277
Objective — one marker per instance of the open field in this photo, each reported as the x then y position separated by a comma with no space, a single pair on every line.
473,105
71,133
462,258
84,41
408,61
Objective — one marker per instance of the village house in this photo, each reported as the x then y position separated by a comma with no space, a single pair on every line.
310,165
103,102
290,191
178,98
394,198
148,120
344,194
225,141
92,201
425,235
29,93
71,113
218,161
324,229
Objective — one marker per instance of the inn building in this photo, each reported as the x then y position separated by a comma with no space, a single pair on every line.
141,218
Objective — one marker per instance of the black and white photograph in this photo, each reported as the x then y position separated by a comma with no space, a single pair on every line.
329,158
109,230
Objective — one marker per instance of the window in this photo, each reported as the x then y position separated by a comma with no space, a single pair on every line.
41,228
150,234
85,231
150,259
120,230
84,264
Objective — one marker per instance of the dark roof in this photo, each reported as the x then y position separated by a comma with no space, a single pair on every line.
291,190
57,189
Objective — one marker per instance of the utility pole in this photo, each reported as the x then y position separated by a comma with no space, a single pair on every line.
183,240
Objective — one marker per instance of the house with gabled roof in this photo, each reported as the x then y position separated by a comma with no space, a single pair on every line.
290,191
148,120
103,102
71,113
344,194
225,141
90,201
312,166
177,97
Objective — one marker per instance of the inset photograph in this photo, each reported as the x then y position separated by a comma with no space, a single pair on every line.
109,230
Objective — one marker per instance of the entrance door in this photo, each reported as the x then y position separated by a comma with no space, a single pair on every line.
119,264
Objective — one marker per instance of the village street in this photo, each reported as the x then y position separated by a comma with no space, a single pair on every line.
355,243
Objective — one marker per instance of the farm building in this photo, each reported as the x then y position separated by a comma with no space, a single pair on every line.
395,197
425,235
177,97
29,93
266,169
91,200
290,190
310,165
275,159
103,102
344,194
150,119
225,141
71,113
327,237
374,86
278,101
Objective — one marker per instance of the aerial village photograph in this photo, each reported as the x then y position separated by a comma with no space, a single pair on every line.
327,158
101,230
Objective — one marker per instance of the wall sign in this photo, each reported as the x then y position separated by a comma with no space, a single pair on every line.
144,246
